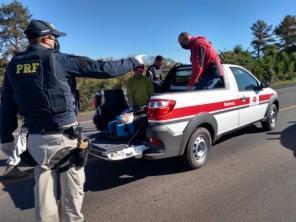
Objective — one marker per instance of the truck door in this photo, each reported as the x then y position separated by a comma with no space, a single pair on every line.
248,87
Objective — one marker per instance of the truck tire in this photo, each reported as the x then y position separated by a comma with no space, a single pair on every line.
196,152
271,118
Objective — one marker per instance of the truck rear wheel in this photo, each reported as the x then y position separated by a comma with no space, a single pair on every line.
271,118
196,153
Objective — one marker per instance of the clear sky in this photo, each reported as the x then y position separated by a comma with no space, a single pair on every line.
110,28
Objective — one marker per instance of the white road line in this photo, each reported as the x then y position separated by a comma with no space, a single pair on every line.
287,108
285,88
88,121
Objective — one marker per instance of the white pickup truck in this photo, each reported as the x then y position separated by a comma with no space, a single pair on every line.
187,123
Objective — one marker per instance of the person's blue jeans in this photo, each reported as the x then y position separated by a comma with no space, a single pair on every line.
208,82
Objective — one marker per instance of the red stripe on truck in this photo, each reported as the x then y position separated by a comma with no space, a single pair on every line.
266,97
209,107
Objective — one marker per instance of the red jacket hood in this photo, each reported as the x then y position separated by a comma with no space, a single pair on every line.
200,40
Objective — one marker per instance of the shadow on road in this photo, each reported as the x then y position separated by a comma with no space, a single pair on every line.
103,175
287,137
246,130
3,163
20,191
100,175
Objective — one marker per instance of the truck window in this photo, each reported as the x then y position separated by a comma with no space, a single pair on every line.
182,77
178,77
245,81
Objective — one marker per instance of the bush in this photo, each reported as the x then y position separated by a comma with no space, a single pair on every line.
88,87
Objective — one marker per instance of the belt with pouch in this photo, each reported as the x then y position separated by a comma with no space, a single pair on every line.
72,131
67,158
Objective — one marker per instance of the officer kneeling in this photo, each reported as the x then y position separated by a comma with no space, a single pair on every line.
36,84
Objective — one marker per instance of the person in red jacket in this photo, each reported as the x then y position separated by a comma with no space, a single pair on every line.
206,64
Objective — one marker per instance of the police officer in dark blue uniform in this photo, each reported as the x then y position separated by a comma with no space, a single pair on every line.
36,84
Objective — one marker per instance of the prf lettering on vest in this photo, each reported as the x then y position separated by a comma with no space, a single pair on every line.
27,68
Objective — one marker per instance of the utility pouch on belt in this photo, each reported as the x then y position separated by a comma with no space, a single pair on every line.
74,132
78,156
82,152
83,146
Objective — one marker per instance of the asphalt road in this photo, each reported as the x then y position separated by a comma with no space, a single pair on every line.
250,176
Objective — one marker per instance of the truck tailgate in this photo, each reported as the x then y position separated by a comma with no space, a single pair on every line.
116,149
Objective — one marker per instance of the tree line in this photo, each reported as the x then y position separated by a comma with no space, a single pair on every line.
274,51
272,56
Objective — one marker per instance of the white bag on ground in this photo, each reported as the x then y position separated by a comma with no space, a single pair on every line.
19,148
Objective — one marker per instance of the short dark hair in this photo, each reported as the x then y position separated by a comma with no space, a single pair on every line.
159,58
34,40
183,35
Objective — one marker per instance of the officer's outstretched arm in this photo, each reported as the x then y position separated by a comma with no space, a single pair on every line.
85,67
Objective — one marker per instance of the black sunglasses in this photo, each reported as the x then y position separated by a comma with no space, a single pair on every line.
51,37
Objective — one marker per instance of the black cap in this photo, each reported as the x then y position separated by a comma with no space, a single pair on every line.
40,28
159,58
